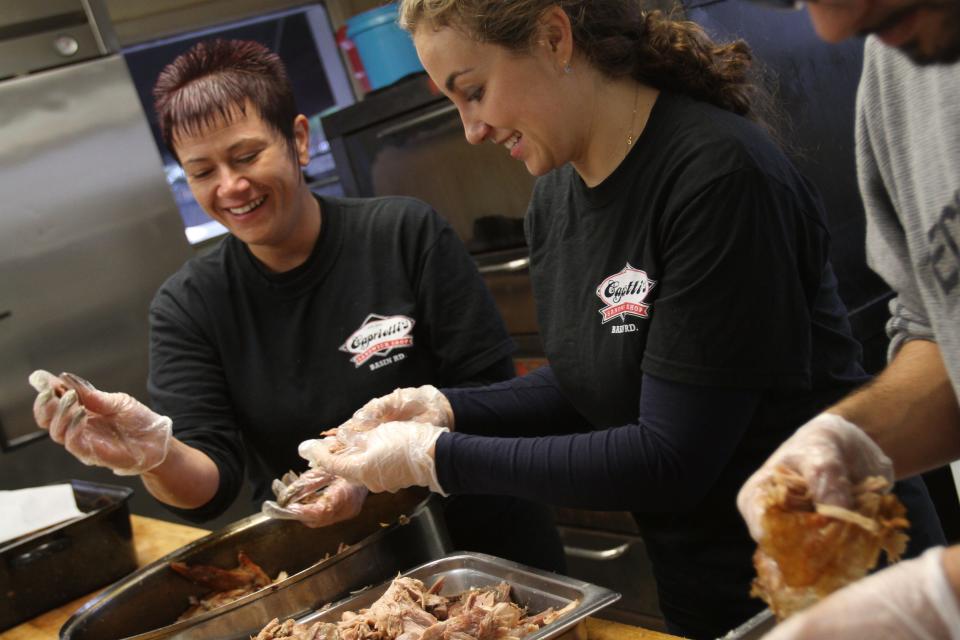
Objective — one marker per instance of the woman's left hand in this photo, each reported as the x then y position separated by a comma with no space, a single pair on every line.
410,404
315,499
389,457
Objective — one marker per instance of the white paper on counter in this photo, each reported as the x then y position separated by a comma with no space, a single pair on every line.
25,510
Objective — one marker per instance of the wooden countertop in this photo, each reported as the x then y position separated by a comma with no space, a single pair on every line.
598,629
155,538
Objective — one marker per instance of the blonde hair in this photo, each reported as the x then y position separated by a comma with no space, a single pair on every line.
618,37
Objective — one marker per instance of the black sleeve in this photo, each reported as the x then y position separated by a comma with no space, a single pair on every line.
465,330
186,383
530,405
667,462
502,369
742,265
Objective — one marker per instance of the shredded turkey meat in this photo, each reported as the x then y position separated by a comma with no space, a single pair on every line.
810,550
410,611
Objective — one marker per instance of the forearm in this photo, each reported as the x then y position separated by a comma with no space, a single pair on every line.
683,439
187,479
910,410
529,405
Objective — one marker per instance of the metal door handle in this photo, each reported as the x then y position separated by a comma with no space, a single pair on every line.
510,266
439,112
597,554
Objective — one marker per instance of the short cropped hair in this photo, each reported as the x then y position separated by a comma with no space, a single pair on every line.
215,80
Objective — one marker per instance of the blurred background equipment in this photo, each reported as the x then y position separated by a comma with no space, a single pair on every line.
88,228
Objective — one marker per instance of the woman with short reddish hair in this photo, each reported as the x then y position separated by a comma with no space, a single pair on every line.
308,308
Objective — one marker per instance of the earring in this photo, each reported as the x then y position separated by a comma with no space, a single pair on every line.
567,69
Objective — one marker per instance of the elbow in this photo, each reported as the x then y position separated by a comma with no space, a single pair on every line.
688,497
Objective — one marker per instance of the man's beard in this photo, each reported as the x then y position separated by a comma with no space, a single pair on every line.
946,48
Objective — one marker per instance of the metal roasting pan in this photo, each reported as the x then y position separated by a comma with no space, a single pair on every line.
393,533
534,589
45,569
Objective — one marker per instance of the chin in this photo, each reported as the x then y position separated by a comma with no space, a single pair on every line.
938,55
537,170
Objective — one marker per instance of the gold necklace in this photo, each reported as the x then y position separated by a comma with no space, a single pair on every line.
633,118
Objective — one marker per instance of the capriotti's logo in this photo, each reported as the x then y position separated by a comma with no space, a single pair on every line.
623,294
378,336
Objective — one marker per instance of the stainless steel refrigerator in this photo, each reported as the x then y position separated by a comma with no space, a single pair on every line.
88,226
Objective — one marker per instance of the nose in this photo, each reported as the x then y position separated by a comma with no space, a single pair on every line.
476,130
231,183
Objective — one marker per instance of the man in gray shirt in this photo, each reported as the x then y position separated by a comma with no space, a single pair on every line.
908,419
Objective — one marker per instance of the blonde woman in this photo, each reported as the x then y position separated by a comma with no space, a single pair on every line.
686,302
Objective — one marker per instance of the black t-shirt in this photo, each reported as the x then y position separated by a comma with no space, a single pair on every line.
702,259
248,363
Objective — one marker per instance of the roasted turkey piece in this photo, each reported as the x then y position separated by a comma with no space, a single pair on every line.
227,584
810,550
410,611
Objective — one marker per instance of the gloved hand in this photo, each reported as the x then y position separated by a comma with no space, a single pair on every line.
388,457
110,430
412,404
911,599
831,454
316,498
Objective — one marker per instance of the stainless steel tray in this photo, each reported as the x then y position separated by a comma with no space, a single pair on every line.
534,589
754,628
391,534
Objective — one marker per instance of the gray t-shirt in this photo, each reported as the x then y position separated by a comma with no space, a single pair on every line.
908,161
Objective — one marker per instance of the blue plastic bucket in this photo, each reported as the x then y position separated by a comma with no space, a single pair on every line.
386,50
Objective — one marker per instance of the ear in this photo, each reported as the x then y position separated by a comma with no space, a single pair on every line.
556,34
301,139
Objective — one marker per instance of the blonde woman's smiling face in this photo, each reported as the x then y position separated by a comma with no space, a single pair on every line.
513,100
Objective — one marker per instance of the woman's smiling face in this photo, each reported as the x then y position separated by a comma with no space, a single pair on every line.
244,175
510,99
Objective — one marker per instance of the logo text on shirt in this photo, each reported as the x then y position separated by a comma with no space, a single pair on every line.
944,236
378,336
624,293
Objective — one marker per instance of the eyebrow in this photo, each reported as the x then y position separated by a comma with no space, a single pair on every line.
452,78
239,143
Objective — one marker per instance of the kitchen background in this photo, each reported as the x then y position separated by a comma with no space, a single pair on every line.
96,214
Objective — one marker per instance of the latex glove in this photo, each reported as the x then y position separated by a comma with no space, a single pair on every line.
316,498
411,404
831,454
911,599
110,430
389,457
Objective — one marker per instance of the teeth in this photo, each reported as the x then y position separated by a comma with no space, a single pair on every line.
247,208
512,141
